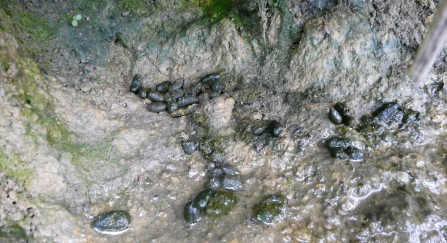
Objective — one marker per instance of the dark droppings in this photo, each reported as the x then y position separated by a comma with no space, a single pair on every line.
202,199
187,100
171,106
156,107
177,84
387,111
340,113
210,77
111,222
163,87
136,84
142,93
213,183
192,213
342,148
335,116
275,128
155,96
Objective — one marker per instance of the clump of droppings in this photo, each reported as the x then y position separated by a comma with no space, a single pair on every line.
112,222
223,176
340,113
177,100
269,208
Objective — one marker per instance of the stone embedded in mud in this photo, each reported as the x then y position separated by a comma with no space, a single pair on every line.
275,128
112,222
192,213
213,95
269,208
156,107
343,109
221,203
386,111
155,96
210,77
202,199
136,84
163,87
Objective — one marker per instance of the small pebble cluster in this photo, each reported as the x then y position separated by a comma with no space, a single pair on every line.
173,97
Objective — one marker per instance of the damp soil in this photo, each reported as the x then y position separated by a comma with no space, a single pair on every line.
75,142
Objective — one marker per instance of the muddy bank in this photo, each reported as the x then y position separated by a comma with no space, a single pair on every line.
75,142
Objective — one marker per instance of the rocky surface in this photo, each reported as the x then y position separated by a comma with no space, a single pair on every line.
75,142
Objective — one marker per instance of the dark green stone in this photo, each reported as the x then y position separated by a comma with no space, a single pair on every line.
269,208
202,199
155,96
221,203
335,116
275,128
111,222
156,107
163,87
192,213
136,84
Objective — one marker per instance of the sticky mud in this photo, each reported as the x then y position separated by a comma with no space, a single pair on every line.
75,142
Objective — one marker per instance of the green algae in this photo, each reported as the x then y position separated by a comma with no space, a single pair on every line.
221,203
269,208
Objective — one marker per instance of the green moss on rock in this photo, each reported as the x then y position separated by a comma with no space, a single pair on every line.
269,208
